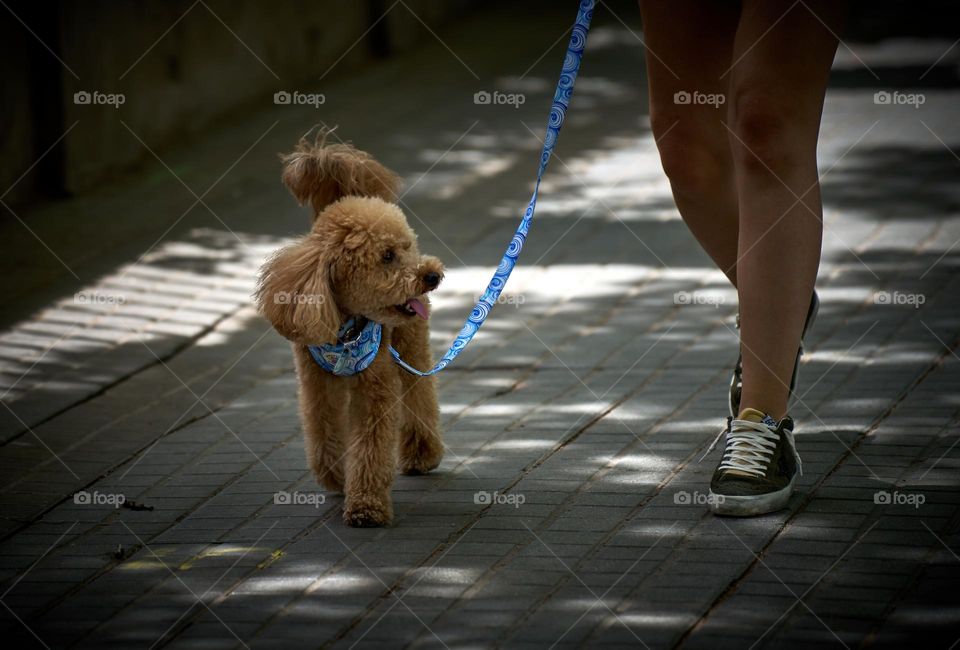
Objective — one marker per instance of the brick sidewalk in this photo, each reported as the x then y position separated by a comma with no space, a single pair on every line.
584,405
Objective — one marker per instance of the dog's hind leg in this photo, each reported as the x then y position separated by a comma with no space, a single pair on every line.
323,413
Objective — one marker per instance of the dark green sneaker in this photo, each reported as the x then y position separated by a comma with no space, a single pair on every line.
736,381
759,466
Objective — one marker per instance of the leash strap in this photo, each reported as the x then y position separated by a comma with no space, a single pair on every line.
561,99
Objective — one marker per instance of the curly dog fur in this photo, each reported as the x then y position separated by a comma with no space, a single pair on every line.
359,259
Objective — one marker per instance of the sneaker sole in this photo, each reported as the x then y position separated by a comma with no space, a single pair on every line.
751,506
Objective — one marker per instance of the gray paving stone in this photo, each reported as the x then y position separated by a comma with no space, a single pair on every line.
593,400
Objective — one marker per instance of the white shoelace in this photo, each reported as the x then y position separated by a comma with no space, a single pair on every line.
750,447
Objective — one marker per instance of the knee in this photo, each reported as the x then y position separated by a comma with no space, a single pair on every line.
696,164
766,133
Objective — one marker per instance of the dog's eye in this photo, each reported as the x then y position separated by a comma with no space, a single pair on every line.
388,256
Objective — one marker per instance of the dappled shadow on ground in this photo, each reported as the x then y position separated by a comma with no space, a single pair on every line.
591,394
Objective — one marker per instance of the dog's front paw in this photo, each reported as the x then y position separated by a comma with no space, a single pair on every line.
419,455
367,511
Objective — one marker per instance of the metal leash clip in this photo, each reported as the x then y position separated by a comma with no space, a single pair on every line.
349,340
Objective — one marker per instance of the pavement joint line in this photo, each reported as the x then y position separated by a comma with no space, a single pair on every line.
407,590
570,571
55,456
454,538
114,517
204,502
799,599
808,496
615,583
198,399
211,588
92,434
599,398
810,493
861,387
185,586
188,342
532,370
908,585
837,361
38,360
931,447
197,507
921,565
37,561
327,516
214,414
653,327
380,580
488,575
609,466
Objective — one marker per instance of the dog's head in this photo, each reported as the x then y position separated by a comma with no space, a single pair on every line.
360,258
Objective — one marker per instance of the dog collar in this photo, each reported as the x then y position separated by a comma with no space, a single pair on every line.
358,341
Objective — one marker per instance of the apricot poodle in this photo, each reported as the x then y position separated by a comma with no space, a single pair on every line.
357,275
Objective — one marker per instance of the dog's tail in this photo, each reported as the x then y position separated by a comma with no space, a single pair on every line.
318,173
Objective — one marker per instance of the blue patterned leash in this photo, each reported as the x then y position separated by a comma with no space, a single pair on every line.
561,99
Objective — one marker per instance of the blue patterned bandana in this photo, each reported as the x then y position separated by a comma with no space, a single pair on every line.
357,344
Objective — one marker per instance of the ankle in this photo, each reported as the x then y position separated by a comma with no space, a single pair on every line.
764,408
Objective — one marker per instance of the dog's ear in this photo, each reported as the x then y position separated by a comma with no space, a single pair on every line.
295,295
318,174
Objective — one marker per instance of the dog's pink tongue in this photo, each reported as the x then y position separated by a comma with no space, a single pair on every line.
418,307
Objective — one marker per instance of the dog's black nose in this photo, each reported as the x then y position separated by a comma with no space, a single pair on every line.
431,279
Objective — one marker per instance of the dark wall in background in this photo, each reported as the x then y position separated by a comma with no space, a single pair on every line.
180,64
